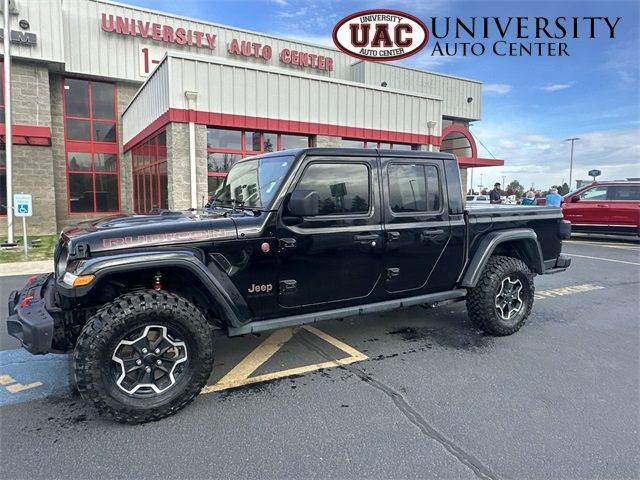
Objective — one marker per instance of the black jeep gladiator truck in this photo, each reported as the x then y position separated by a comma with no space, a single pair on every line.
291,237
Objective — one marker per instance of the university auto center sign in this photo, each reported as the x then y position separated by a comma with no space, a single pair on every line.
163,33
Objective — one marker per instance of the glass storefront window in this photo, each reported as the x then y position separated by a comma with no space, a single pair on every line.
76,97
102,100
348,143
93,169
225,147
93,182
105,162
78,130
79,161
150,186
293,141
252,141
270,142
352,143
227,139
104,132
221,162
402,146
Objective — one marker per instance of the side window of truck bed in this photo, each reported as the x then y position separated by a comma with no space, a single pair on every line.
413,188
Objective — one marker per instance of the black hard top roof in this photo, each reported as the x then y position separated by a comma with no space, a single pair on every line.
359,152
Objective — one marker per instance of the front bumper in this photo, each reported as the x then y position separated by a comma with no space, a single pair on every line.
29,319
559,265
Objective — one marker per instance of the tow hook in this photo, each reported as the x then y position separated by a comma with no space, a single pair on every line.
157,281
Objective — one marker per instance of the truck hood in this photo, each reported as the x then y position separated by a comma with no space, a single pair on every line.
139,231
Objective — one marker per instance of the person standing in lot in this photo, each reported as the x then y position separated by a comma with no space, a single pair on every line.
529,199
494,195
553,198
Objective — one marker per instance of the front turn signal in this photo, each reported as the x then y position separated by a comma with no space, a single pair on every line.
83,280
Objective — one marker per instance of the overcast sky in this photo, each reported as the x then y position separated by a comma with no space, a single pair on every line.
530,104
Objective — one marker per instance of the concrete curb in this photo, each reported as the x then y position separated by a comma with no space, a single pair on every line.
25,268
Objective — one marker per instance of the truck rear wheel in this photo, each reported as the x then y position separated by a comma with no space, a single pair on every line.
144,356
502,300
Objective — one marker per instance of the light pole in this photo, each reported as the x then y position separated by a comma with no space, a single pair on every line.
572,140
8,119
504,187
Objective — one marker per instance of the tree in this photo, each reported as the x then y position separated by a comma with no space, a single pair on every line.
516,187
359,204
564,189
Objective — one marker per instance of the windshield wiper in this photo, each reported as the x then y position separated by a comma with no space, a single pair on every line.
235,204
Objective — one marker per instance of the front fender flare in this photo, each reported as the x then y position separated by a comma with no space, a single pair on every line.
216,283
488,245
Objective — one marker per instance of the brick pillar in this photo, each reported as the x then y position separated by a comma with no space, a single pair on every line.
33,173
202,187
178,165
463,179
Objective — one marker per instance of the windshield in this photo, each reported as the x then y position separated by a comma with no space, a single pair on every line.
253,183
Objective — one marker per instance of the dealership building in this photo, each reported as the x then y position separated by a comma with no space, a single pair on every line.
119,109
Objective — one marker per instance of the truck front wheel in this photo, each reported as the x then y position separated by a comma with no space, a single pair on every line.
144,356
502,300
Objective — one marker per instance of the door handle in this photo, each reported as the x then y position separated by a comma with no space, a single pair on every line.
391,236
366,238
431,233
287,242
603,206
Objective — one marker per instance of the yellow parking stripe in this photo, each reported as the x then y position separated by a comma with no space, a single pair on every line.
240,374
559,292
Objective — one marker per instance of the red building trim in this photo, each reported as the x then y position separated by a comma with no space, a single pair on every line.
27,135
227,120
467,162
473,160
465,133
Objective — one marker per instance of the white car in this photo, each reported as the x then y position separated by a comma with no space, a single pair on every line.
477,198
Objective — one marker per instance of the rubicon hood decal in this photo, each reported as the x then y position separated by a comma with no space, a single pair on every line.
380,35
167,238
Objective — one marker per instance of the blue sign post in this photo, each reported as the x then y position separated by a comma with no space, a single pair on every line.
23,207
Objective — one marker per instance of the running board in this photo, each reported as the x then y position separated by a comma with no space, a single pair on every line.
295,320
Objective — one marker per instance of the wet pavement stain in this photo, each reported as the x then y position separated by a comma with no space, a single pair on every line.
444,337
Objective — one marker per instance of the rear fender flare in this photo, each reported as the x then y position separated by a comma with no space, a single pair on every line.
524,236
221,289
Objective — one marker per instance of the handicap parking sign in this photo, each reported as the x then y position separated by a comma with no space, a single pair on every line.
23,205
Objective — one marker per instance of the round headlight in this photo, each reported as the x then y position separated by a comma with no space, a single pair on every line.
61,264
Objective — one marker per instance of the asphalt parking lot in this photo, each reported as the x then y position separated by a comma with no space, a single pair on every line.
411,394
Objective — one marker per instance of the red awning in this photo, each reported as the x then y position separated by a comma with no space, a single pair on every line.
27,135
467,162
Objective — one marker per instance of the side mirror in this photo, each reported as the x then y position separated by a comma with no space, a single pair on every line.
304,203
575,199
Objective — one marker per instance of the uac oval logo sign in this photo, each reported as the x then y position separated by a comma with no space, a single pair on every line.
380,35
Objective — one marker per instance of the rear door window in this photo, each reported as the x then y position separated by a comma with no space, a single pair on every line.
413,188
624,192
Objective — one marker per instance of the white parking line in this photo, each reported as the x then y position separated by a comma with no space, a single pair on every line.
604,245
603,259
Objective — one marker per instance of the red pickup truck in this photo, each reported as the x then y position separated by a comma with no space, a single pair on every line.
604,207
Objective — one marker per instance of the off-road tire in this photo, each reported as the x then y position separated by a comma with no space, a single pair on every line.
103,332
481,300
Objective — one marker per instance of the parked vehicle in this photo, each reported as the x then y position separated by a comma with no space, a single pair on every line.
293,237
604,207
477,199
